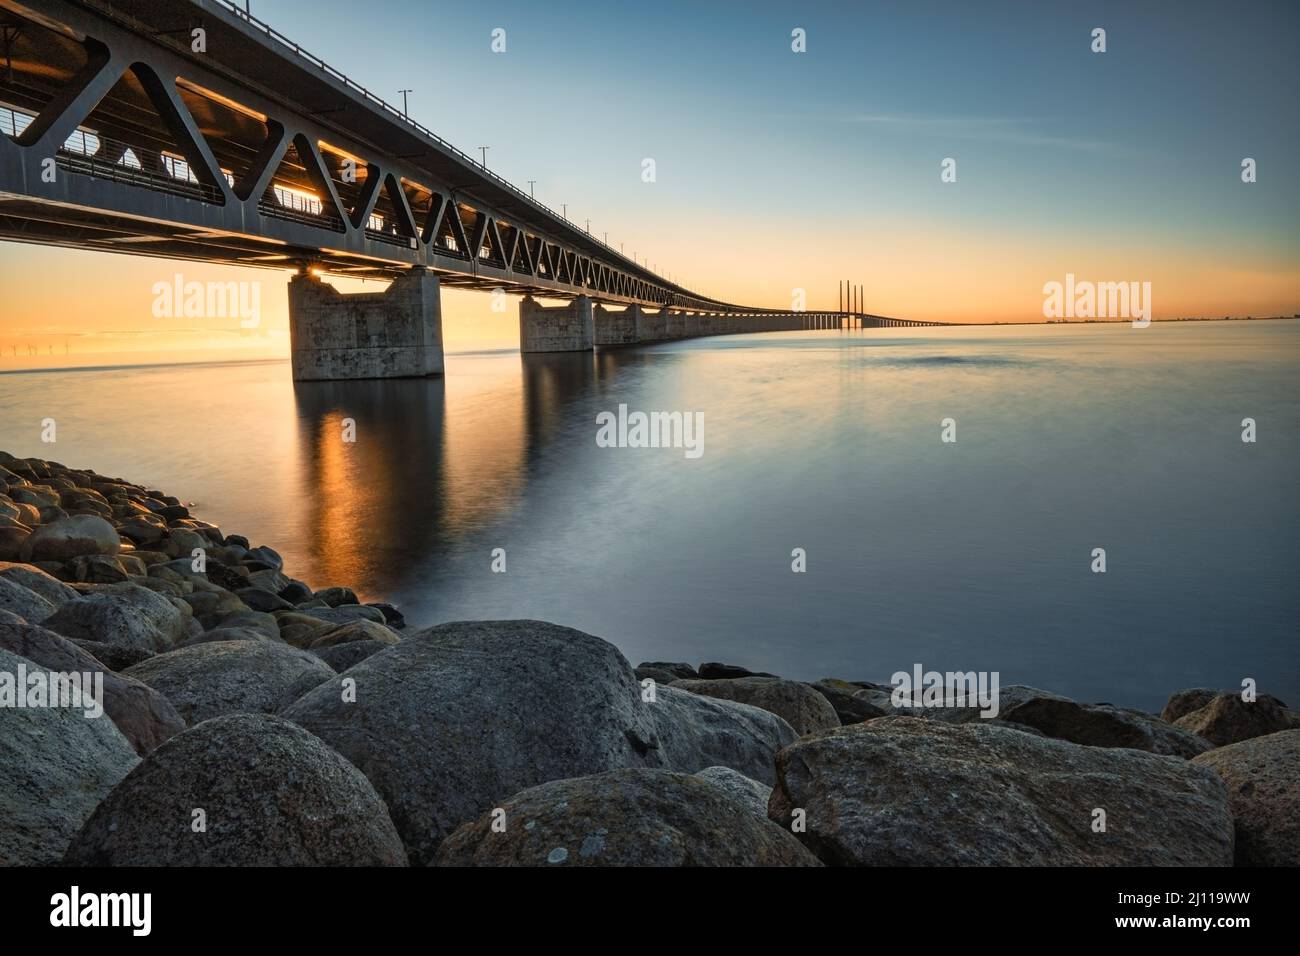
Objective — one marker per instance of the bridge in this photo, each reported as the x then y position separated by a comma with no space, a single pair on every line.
190,129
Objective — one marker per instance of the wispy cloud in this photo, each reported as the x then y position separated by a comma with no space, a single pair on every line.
1009,130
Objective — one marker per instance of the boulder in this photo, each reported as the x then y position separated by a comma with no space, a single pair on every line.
341,657
34,579
752,794
1227,719
265,601
798,704
12,539
907,791
232,677
1105,725
1263,778
1186,701
145,717
125,614
457,717
343,614
18,600
355,631
852,704
69,537
271,795
696,732
336,596
116,657
679,670
56,765
630,817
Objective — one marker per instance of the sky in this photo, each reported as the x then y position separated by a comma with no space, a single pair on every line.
778,170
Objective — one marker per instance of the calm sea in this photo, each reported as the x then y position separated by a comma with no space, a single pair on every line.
966,555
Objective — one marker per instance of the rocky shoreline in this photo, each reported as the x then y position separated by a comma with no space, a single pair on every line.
249,719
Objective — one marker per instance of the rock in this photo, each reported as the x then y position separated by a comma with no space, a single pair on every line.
1263,778
56,765
1104,725
116,657
12,539
122,614
272,795
678,670
232,677
295,593
269,580
223,576
695,732
224,634
457,717
182,543
267,556
265,601
631,817
1186,701
907,791
1227,719
355,631
392,616
852,704
96,569
341,657
237,541
344,614
750,793
34,579
145,717
69,537
336,597
28,605
298,629
253,620
798,704
715,671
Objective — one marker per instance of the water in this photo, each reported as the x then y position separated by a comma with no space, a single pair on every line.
967,556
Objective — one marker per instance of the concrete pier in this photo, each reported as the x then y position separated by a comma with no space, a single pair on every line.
566,328
396,333
618,327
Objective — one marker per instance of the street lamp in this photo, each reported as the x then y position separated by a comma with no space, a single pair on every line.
404,92
531,184
483,150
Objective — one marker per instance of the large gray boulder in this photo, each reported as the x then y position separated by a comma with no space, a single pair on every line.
34,579
852,702
232,677
1263,778
144,716
907,791
270,794
458,717
56,765
121,614
798,704
1185,701
1227,719
25,603
695,732
355,631
752,794
69,537
632,817
343,657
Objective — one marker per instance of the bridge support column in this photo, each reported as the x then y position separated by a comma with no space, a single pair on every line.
396,333
568,328
618,327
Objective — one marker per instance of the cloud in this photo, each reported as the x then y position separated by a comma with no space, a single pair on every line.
1008,130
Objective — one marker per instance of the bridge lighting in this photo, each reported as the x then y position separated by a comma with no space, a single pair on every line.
404,92
531,184
483,150
589,227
